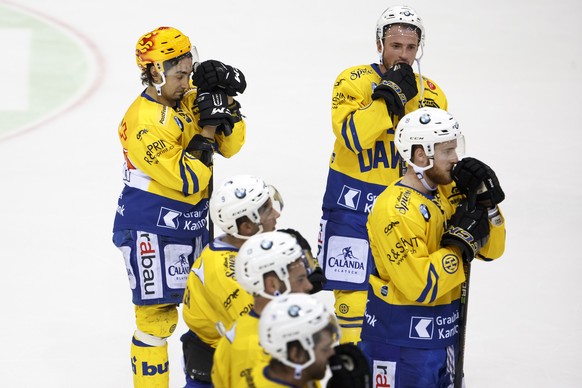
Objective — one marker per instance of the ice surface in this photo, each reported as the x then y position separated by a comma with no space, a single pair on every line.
511,71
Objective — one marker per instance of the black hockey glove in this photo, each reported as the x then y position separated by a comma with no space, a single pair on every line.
349,368
213,109
472,176
315,274
467,229
211,75
300,239
317,280
397,87
201,148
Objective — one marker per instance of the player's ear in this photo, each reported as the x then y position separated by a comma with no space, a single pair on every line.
155,75
271,284
297,354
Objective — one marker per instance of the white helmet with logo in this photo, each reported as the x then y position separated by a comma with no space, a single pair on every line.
426,127
264,253
294,317
239,196
399,14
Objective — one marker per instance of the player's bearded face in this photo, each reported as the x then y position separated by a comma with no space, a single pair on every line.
445,157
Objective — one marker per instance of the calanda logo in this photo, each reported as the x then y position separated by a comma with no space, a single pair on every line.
51,68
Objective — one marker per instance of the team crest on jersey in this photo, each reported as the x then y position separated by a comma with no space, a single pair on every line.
450,264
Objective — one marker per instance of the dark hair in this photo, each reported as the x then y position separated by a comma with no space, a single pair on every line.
146,76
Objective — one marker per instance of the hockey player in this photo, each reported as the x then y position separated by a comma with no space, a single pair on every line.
299,333
268,265
168,135
241,206
367,103
422,231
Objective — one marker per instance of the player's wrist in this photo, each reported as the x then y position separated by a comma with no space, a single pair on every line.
494,216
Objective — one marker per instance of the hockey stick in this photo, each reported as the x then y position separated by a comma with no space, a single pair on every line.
210,224
459,361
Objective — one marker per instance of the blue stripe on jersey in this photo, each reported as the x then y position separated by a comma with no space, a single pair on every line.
194,179
429,285
183,174
354,133
345,135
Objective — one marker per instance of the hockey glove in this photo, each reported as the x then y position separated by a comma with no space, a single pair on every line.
315,274
317,280
349,368
397,87
201,148
300,239
467,229
213,109
211,75
473,177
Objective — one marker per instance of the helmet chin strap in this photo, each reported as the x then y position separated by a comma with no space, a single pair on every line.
420,175
297,373
159,86
420,80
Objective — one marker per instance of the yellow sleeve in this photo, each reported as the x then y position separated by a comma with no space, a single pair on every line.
357,120
232,144
495,246
220,373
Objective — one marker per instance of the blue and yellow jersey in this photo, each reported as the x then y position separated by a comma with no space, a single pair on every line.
237,353
166,189
364,161
213,298
414,294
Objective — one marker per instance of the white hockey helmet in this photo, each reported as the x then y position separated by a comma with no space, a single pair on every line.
294,317
399,14
427,127
239,196
264,253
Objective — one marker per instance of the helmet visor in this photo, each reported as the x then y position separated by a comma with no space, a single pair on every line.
276,198
192,56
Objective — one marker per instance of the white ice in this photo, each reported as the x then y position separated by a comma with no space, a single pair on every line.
511,71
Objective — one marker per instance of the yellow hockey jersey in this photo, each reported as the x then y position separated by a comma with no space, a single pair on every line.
364,157
213,299
165,188
237,353
364,161
414,294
